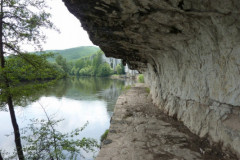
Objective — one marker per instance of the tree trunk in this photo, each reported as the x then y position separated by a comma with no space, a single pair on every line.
9,97
16,129
1,156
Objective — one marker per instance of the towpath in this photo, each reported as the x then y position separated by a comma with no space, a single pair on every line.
139,131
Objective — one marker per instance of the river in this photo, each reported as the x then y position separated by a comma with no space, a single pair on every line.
76,100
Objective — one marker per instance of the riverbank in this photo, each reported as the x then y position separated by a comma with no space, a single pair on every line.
140,131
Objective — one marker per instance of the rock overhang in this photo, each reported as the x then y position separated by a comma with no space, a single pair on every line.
189,51
132,30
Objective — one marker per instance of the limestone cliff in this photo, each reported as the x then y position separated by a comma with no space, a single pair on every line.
189,51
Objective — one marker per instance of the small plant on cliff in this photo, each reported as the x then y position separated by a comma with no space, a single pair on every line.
127,87
104,136
148,90
140,78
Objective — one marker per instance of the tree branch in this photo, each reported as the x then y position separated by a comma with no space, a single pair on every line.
53,130
13,16
21,54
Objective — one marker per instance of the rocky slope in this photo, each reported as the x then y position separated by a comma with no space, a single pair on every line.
189,51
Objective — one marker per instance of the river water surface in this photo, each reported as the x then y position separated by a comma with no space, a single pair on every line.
77,101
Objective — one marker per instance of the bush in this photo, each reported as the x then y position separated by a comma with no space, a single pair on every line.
141,78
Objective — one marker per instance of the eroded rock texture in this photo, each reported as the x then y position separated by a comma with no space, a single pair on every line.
189,51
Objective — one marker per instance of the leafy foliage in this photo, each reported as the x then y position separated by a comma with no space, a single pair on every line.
86,71
140,78
21,23
43,141
91,66
19,68
62,63
104,70
20,71
120,69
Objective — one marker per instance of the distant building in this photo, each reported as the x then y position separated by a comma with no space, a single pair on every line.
130,72
113,62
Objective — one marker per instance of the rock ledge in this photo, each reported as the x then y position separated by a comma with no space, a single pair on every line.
139,131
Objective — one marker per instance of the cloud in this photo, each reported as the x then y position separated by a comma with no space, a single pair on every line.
72,34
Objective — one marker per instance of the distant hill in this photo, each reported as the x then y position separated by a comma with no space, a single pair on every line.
73,54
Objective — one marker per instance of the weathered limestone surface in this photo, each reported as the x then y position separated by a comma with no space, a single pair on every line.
189,51
139,131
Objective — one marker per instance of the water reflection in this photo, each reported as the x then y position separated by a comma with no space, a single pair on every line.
76,100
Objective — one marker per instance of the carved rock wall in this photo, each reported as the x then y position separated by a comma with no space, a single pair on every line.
189,51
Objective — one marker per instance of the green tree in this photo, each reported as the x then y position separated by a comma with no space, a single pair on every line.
20,21
120,69
140,78
86,71
92,66
80,63
97,61
19,70
104,70
75,71
63,63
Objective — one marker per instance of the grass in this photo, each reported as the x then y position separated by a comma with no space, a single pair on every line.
104,136
127,87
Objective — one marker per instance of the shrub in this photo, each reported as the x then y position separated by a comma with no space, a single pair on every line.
141,78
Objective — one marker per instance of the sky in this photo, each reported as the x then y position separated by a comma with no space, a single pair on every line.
72,34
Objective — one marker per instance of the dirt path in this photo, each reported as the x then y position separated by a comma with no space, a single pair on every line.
139,131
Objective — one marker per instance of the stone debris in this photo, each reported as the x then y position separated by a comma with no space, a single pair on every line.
139,131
